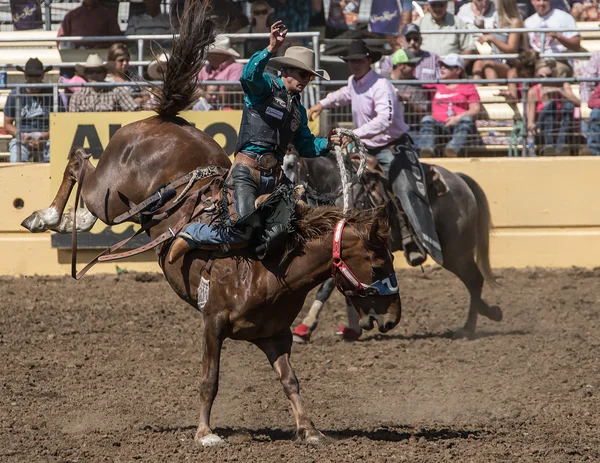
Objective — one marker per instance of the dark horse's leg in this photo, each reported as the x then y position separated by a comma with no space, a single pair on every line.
467,270
277,349
303,331
211,359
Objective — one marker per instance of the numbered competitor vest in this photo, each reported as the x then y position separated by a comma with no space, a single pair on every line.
272,123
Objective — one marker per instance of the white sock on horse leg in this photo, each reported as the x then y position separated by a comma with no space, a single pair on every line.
313,314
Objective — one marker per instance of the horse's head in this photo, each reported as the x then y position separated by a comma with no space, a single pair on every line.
364,271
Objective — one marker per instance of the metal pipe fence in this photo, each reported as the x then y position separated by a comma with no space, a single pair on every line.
500,128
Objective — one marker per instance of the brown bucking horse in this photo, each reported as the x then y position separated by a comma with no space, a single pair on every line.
247,299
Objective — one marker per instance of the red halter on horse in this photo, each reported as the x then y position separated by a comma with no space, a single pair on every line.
246,299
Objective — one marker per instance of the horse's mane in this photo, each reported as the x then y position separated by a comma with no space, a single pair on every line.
196,33
316,222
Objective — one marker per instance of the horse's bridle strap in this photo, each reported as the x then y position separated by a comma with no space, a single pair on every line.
385,287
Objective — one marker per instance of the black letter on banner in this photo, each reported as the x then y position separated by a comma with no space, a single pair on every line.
224,129
112,129
88,132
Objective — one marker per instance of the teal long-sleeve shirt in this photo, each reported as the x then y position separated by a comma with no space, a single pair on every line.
257,87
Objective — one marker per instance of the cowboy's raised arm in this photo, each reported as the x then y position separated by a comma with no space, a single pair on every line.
257,85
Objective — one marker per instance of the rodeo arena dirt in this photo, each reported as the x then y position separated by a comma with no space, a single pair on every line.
460,297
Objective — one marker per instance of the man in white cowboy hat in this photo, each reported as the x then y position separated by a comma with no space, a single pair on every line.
35,107
99,99
273,118
221,65
378,119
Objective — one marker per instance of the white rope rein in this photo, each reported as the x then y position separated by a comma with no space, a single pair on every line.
340,158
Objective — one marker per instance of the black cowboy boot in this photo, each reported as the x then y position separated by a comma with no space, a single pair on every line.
414,254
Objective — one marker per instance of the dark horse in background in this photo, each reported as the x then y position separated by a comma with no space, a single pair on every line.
461,213
248,299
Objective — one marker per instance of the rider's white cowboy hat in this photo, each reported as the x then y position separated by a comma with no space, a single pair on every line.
156,68
301,58
93,61
222,46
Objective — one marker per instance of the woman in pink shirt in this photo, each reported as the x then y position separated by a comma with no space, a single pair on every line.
454,108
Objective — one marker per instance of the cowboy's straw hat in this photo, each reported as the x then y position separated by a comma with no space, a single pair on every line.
154,68
222,46
93,61
301,58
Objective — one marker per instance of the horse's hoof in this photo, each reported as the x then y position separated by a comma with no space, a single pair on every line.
463,333
302,334
312,437
495,313
40,221
348,334
209,440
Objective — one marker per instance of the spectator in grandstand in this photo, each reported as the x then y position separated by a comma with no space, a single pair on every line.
574,7
117,64
260,22
440,19
507,16
376,112
454,108
585,11
412,39
555,42
590,94
35,105
221,65
478,13
152,21
414,98
295,14
524,68
550,110
100,99
88,20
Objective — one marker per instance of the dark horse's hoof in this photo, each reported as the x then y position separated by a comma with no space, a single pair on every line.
463,333
495,313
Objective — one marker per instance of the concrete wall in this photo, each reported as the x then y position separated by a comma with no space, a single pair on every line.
546,211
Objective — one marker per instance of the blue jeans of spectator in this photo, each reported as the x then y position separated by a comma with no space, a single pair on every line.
26,152
593,139
548,123
432,128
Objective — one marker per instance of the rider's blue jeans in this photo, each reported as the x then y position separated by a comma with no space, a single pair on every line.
432,128
593,139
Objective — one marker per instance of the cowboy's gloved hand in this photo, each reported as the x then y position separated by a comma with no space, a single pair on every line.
278,33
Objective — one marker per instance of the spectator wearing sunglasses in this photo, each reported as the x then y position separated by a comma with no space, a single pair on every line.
414,98
412,39
260,22
550,109
454,108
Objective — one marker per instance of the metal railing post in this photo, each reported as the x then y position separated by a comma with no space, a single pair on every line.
543,44
525,134
47,16
55,97
18,123
140,44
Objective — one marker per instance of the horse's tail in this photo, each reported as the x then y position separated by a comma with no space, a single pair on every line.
484,228
196,33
